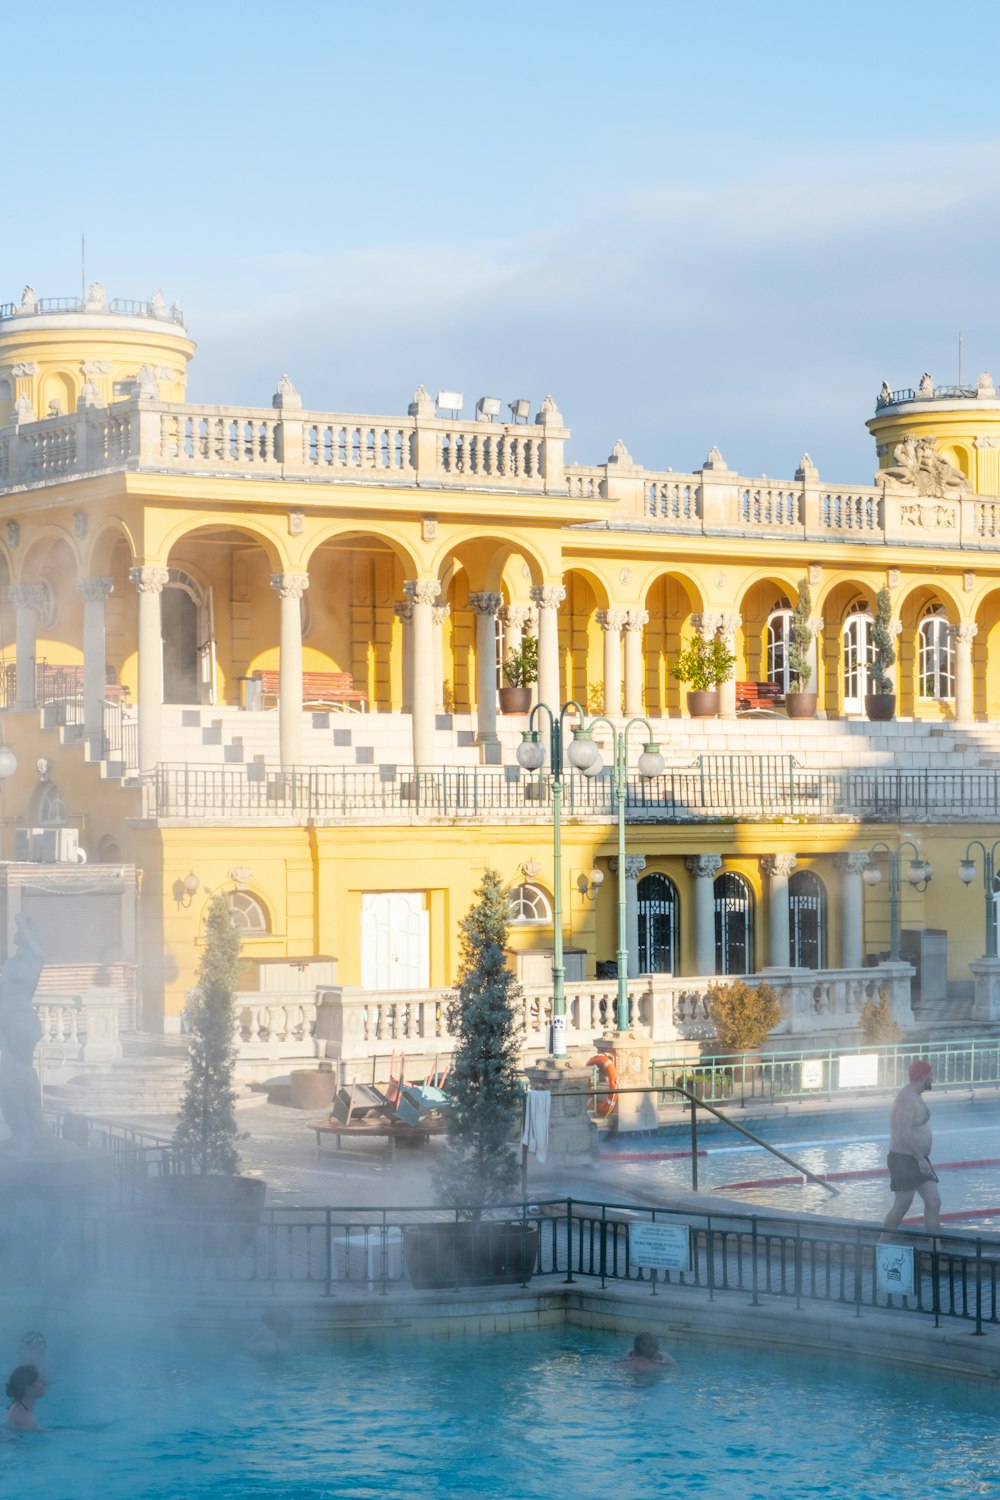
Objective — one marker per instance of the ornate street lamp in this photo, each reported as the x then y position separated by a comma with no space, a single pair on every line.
967,874
919,874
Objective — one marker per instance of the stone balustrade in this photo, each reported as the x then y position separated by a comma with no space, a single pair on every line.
81,1028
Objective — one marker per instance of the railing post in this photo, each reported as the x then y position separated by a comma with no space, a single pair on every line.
694,1144
978,1333
569,1241
755,1300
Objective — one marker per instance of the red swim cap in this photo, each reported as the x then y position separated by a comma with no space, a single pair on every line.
919,1069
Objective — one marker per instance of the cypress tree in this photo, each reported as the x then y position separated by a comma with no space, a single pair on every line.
206,1129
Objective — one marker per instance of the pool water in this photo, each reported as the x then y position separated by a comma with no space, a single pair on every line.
747,1173
517,1417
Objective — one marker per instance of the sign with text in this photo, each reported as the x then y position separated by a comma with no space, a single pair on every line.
858,1072
661,1247
894,1269
812,1074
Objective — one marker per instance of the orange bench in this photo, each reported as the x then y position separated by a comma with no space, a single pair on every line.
326,689
751,695
55,682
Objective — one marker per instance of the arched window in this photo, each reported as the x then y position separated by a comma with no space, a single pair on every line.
734,924
936,654
659,912
529,907
807,920
248,914
47,807
779,636
859,650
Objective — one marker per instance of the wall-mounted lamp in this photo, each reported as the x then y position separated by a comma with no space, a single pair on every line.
590,885
184,891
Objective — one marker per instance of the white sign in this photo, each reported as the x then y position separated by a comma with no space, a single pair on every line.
812,1074
894,1269
858,1072
661,1247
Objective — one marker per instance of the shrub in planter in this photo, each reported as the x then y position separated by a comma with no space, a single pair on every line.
880,700
800,702
743,1014
703,663
520,670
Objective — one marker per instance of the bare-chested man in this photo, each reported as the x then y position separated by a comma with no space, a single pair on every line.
910,1169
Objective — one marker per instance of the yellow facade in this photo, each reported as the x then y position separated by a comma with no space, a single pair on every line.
223,501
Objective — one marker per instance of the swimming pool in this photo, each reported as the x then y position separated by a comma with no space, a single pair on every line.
850,1149
517,1417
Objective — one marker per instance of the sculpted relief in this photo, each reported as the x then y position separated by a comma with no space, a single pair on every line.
917,466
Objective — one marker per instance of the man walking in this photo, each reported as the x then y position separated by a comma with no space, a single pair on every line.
910,1169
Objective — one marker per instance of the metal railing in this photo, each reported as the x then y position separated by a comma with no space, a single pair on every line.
827,1073
124,306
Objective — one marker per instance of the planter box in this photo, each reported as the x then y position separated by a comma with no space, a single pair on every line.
492,1252
204,1212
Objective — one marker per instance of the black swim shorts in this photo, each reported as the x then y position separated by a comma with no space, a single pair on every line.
904,1174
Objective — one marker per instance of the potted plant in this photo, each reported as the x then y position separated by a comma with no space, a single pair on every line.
743,1016
480,1166
880,700
879,1026
209,1192
702,665
800,703
520,668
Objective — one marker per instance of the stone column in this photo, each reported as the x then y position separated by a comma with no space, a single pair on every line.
852,899
727,628
704,868
29,601
548,599
612,622
962,637
634,866
423,592
289,588
93,592
149,582
404,614
439,613
778,867
572,1134
486,607
636,621
815,625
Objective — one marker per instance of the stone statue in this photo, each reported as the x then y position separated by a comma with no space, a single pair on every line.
157,306
926,386
917,465
20,1033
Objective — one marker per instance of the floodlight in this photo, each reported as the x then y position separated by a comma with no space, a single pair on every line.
450,400
520,410
489,407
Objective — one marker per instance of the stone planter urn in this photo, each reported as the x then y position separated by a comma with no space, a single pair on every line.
880,707
514,700
703,703
801,705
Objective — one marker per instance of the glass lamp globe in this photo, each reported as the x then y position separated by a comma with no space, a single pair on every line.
967,871
596,766
582,752
531,751
871,874
650,761
8,761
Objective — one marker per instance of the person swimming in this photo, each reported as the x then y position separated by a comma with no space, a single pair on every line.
273,1334
645,1355
24,1388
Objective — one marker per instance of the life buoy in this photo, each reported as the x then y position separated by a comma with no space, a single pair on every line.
606,1102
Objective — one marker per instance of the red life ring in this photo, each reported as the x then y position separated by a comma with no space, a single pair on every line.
607,1102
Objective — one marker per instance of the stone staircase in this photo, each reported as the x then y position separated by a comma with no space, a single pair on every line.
149,1080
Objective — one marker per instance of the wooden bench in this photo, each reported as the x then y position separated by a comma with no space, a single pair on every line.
319,689
754,695
55,682
390,1130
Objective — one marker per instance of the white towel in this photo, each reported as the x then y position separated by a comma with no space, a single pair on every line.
537,1107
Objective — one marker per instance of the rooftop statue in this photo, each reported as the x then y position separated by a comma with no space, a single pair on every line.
926,386
917,464
20,1033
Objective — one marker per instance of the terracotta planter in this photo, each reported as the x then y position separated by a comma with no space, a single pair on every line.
801,705
515,700
880,707
703,703
497,1252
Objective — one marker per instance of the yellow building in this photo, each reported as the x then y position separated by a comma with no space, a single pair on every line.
259,649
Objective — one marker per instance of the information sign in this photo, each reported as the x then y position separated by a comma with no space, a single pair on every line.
661,1247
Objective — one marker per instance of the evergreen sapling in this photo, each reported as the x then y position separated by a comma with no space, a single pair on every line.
206,1129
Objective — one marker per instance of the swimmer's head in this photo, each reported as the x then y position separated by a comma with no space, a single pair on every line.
646,1346
33,1340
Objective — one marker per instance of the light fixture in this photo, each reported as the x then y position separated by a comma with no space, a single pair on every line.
520,410
583,753
967,871
185,890
531,752
590,885
8,760
871,874
920,872
650,761
489,407
451,401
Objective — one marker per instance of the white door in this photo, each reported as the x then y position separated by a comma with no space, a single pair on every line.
395,950
857,659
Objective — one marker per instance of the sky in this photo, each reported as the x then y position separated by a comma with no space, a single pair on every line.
717,223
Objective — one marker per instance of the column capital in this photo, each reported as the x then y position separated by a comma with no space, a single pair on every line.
485,604
422,590
94,590
440,613
964,634
854,862
636,619
517,616
704,866
634,866
28,596
289,585
780,865
403,610
149,580
611,620
548,595
706,624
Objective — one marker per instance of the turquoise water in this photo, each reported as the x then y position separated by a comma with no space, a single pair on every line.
518,1417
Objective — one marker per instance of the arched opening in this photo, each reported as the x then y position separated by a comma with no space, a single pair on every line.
858,654
734,924
529,907
807,920
188,636
249,914
670,605
659,916
935,655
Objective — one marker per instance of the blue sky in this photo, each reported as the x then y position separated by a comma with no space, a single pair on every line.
723,223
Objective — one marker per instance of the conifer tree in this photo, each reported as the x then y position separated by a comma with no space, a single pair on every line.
883,650
799,663
480,1163
206,1129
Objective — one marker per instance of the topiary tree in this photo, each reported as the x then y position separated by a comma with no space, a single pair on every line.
799,661
480,1164
206,1130
883,651
742,1014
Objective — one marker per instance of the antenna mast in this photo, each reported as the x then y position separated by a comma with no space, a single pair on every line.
960,357
83,268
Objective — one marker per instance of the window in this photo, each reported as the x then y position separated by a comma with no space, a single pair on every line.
248,914
936,655
47,807
779,635
529,907
807,925
859,650
734,924
658,922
